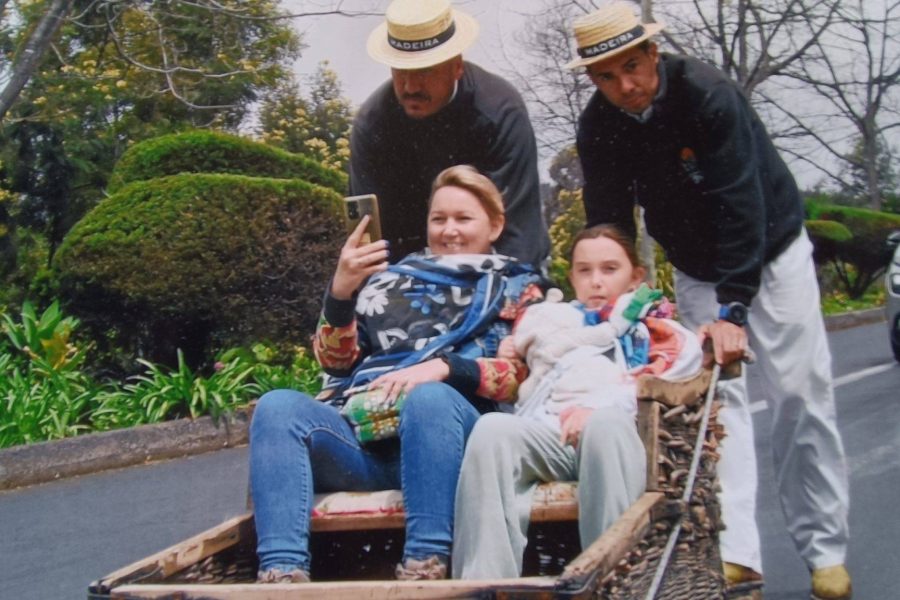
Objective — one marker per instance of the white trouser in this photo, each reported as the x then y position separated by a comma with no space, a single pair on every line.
508,455
787,333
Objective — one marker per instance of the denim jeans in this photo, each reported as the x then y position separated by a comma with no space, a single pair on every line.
299,446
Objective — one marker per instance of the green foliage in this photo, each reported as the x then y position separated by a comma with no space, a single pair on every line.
294,368
562,232
316,124
45,339
212,152
43,393
105,86
860,259
197,260
160,394
47,394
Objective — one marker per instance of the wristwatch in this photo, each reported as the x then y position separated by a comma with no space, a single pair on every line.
734,312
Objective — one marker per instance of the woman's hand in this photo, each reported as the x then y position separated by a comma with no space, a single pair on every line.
357,262
404,380
572,421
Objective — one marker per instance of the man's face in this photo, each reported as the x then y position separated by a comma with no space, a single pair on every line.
628,80
423,92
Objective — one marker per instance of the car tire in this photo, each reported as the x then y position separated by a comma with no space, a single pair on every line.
895,337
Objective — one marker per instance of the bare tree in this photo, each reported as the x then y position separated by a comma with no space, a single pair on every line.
851,93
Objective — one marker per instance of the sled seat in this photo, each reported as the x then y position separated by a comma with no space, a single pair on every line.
555,501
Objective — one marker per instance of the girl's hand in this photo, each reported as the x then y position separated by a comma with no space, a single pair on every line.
507,348
404,380
573,421
357,262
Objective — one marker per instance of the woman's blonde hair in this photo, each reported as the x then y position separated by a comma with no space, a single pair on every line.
470,179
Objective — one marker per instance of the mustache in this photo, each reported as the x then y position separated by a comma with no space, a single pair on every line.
417,96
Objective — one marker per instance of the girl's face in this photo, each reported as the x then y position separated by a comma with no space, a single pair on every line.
601,272
458,223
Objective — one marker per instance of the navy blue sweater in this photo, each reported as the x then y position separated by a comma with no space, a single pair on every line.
717,196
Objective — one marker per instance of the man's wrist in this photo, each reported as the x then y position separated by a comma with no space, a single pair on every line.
734,312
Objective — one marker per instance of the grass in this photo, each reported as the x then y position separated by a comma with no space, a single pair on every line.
838,302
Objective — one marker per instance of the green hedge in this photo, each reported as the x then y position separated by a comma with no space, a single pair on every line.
194,260
865,250
214,152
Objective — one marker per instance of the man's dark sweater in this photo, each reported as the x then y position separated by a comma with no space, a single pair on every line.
717,196
485,125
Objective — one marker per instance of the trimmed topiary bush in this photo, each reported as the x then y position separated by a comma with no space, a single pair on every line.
194,260
214,152
861,258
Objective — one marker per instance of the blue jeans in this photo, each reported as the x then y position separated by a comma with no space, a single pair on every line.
299,446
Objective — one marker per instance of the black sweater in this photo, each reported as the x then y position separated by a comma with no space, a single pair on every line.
486,125
717,196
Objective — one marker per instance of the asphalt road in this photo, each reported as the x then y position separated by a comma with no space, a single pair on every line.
58,537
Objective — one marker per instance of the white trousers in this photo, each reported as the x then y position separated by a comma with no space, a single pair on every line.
787,333
508,455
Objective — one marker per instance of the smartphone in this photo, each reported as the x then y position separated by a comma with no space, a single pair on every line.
355,208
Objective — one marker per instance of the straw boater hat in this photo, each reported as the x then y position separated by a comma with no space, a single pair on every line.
608,31
421,33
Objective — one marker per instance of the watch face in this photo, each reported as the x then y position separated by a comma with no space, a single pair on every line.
737,314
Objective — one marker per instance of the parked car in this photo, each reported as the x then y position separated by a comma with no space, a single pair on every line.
892,288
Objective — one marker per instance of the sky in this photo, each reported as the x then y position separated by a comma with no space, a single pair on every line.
342,40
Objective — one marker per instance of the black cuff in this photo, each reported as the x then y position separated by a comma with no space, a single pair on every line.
338,313
465,376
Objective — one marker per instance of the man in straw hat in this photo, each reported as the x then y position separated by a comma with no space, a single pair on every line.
438,111
679,138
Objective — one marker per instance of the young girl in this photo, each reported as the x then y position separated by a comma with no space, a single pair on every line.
574,415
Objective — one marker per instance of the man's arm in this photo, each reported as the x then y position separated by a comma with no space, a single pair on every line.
729,163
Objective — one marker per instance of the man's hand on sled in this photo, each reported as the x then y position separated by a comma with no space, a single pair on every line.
404,380
357,262
729,341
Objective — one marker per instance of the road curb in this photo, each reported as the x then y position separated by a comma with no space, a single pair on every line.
48,461
854,318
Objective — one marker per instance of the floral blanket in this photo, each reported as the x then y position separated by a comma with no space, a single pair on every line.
427,305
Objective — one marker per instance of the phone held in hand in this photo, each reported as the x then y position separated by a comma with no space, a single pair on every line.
355,208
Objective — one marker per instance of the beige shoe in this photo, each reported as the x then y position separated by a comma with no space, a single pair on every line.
433,567
742,583
279,576
831,583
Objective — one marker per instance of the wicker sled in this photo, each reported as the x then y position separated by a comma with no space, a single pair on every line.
221,564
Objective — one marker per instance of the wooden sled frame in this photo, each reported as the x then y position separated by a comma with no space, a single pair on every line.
579,578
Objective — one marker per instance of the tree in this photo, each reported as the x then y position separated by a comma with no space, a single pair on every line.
317,124
99,90
147,35
751,40
849,95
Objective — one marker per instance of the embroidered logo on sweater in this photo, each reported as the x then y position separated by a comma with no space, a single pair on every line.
689,165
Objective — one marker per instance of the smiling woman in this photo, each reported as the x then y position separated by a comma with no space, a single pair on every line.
410,349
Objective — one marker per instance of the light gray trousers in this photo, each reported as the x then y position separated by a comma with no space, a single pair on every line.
508,455
787,333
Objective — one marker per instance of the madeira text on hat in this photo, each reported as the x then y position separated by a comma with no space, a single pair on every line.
421,33
608,31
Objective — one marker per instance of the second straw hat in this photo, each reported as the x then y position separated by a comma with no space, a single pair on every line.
608,31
